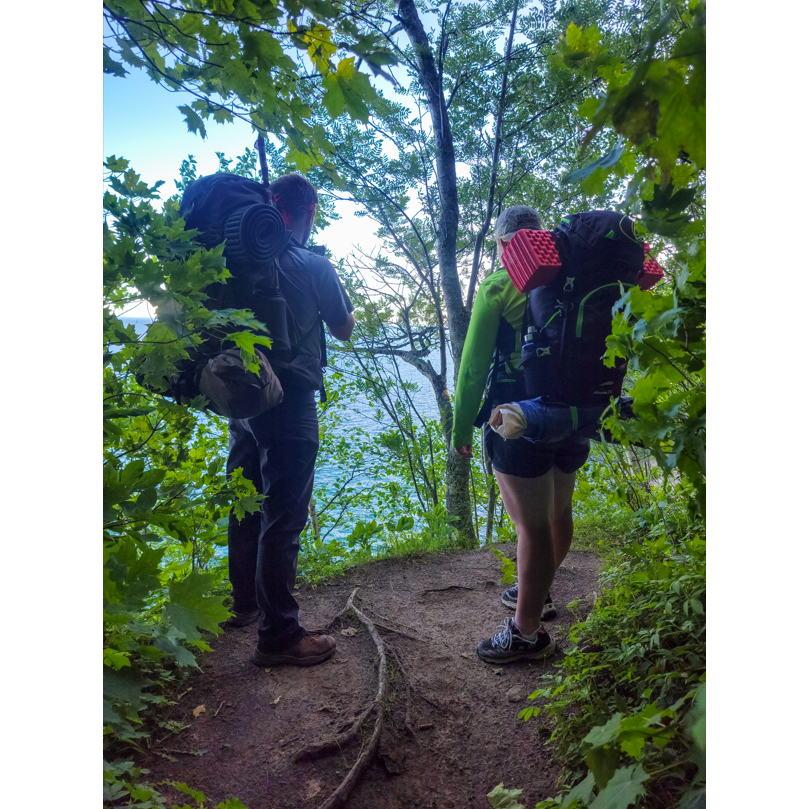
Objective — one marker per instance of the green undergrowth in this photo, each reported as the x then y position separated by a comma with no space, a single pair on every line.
371,541
625,709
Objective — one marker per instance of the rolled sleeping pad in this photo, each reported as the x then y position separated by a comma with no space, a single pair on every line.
255,234
549,423
236,393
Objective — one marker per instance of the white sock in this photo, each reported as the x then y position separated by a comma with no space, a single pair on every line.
530,638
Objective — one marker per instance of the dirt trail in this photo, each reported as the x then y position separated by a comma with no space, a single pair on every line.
450,731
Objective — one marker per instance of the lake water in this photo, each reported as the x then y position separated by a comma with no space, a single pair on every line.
358,415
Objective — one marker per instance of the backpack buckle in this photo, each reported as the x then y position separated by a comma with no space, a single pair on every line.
570,280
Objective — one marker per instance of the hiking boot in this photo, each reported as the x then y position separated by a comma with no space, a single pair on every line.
508,645
310,650
239,619
509,599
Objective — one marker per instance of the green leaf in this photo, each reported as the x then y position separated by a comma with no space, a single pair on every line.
132,472
115,659
696,719
580,793
602,762
124,686
502,798
111,66
113,163
508,567
182,656
604,162
146,500
222,116
263,47
582,41
356,89
246,342
127,412
192,120
603,734
319,46
333,99
589,107
192,607
623,789
303,161
196,795
633,743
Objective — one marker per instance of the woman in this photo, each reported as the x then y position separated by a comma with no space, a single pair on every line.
536,480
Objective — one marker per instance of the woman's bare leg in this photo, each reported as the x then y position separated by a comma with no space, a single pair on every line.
530,504
562,519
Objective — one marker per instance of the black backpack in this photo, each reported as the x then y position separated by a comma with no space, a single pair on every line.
236,210
568,321
228,208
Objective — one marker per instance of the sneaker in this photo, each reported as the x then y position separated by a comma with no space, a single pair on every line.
509,599
508,645
239,619
308,651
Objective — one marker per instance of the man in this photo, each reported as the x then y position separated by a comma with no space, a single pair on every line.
277,450
536,480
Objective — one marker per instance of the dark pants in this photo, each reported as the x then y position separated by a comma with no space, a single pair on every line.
276,451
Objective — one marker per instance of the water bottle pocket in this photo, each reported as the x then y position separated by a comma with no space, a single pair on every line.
539,369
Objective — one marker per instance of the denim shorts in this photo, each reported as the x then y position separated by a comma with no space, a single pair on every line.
525,458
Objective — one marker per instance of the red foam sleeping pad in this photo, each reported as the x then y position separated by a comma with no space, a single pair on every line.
532,260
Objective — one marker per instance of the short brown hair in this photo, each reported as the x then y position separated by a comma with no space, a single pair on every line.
293,194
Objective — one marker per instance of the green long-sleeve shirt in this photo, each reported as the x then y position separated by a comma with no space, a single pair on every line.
497,300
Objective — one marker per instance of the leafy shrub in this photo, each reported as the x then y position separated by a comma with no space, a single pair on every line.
625,688
166,497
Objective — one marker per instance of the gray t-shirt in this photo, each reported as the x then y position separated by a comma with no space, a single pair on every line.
314,296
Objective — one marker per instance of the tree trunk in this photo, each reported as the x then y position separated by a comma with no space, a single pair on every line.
431,82
491,501
459,506
315,522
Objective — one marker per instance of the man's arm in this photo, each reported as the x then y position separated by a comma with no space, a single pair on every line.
333,303
343,332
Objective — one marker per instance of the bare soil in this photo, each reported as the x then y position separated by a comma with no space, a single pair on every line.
450,730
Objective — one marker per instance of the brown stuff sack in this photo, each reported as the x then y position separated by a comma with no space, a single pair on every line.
235,392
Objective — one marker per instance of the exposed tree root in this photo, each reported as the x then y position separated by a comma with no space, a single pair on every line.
394,630
400,629
445,589
408,694
369,748
449,588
